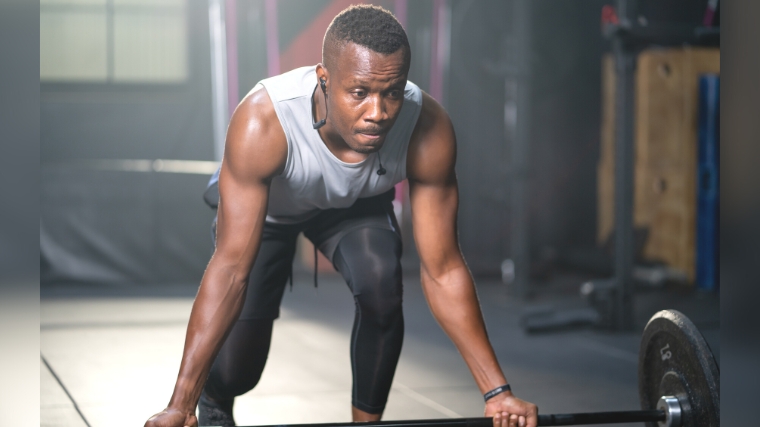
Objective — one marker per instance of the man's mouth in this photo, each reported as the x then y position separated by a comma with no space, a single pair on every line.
373,134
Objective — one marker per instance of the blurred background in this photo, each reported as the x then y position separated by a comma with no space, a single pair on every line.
565,113
135,96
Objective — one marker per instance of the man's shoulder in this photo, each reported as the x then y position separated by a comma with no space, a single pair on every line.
432,148
255,133
432,117
296,83
256,105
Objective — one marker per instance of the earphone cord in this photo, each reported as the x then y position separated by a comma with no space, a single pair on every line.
319,124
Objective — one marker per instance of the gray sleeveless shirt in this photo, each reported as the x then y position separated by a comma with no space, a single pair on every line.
313,178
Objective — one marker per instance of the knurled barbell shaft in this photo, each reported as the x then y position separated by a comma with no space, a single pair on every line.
601,418
543,420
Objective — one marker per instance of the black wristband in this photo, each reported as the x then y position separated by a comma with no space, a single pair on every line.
497,390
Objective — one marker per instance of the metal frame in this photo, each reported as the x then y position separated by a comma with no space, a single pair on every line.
219,94
520,224
625,65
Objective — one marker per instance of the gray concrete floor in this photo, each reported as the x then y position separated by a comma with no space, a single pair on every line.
116,351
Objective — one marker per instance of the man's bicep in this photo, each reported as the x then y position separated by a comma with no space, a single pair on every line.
255,153
240,220
434,217
433,188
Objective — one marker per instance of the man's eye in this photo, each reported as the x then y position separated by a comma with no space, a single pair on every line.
395,94
360,93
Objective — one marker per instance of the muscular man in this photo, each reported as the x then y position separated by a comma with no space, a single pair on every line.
318,150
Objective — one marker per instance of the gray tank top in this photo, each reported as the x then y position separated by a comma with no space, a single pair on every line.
313,178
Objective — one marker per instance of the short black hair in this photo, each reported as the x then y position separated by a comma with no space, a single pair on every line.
367,25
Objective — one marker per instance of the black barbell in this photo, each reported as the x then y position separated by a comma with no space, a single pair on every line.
679,385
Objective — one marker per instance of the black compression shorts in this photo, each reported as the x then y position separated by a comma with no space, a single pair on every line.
273,266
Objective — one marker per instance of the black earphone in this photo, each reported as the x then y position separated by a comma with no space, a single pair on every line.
316,125
381,170
319,124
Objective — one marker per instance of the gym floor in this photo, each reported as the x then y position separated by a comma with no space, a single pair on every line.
113,354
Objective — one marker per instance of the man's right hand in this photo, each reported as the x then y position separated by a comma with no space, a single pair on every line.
172,418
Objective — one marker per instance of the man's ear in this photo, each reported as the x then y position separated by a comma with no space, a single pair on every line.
322,73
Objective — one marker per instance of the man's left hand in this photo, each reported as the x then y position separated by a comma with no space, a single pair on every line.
509,411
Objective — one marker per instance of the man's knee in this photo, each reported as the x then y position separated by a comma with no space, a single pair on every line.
241,360
369,260
379,294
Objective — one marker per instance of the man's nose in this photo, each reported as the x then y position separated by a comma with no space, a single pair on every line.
376,111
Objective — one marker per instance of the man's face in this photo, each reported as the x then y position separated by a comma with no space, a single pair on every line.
365,94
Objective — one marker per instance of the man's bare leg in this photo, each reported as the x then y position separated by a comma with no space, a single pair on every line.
359,415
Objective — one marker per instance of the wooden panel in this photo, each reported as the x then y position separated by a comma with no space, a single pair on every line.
605,187
665,169
666,151
605,170
670,213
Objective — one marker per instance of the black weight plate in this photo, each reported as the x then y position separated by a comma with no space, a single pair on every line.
675,360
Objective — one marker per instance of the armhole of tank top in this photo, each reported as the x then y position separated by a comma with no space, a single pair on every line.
288,135
289,159
416,118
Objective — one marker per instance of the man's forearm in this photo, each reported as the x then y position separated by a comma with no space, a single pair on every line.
216,308
454,304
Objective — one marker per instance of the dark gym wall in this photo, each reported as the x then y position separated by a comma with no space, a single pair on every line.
565,131
566,46
117,226
476,95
